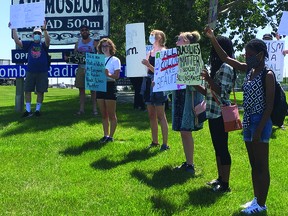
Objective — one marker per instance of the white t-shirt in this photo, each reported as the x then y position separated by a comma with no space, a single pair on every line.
112,65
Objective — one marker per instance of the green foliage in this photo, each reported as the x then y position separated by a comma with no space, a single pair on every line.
173,17
54,165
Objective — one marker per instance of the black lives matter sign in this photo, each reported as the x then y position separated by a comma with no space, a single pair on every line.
64,18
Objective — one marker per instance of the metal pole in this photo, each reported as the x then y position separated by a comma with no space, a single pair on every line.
19,97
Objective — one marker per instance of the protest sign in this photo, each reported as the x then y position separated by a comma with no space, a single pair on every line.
95,77
276,58
74,57
190,64
283,26
165,71
135,50
212,18
27,15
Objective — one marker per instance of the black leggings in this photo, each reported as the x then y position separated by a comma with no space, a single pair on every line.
220,140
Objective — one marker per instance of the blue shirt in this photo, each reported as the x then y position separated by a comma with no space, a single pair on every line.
37,57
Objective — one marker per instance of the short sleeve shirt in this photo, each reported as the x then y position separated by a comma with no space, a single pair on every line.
112,65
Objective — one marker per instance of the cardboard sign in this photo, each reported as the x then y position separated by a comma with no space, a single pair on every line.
135,50
95,77
212,18
190,64
276,58
27,15
165,71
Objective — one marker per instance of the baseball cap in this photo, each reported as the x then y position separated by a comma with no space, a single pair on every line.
267,37
84,26
37,29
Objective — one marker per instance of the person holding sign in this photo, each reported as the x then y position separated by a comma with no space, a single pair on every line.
83,45
183,117
37,71
107,100
219,84
155,101
257,124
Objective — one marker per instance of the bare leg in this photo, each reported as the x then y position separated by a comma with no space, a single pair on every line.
82,99
188,146
111,110
104,115
153,122
160,110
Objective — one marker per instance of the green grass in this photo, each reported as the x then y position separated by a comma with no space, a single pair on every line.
53,165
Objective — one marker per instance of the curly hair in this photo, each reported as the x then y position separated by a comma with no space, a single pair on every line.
215,60
192,37
112,47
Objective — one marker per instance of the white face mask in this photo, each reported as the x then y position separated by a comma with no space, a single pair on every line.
37,37
152,39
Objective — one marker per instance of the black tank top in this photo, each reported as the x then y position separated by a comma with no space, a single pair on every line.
152,62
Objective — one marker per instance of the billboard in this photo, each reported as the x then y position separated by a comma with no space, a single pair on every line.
64,18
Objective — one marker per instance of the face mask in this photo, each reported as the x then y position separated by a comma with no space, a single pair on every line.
37,37
252,62
152,39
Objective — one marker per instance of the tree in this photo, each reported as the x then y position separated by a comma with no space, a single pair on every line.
240,17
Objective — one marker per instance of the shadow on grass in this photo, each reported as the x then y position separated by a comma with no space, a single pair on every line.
203,196
164,178
135,155
163,205
78,150
60,113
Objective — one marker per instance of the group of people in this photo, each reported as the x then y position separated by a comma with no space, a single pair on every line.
219,82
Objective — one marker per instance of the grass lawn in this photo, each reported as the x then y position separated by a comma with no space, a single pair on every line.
54,165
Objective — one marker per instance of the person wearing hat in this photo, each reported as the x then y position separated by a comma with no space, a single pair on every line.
83,45
37,66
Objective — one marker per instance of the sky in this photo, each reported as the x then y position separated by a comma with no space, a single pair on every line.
7,44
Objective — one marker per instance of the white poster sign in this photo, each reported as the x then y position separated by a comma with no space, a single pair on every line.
27,15
64,18
165,71
135,50
283,26
276,58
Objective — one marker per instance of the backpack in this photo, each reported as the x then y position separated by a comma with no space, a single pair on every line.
280,105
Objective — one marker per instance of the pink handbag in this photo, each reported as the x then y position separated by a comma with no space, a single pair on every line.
230,115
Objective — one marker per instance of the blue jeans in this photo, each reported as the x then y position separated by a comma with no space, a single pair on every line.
250,130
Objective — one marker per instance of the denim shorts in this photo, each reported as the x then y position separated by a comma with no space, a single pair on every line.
254,122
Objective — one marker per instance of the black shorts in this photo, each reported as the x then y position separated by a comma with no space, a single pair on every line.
36,81
111,93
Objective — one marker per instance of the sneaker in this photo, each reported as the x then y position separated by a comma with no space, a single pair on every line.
252,202
27,114
221,189
214,182
152,145
182,166
164,147
254,209
109,139
37,113
187,167
190,169
103,139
